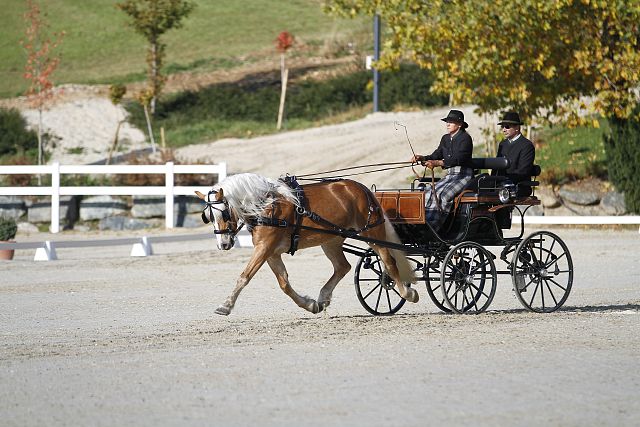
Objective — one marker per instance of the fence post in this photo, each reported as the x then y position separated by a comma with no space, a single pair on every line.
222,174
168,196
55,197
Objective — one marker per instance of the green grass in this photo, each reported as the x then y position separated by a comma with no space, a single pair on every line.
564,153
100,47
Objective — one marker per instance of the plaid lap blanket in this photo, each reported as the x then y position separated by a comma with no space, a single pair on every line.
446,189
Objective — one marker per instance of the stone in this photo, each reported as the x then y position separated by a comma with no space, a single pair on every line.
124,223
100,207
583,198
612,203
153,206
12,207
147,206
547,197
40,211
27,228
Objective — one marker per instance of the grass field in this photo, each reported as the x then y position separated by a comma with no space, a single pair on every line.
99,46
572,153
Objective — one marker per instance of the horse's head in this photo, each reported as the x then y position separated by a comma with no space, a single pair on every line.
223,218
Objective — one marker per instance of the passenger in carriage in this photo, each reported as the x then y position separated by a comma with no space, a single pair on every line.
454,154
519,150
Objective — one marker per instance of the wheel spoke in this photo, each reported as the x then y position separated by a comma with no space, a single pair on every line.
555,260
371,291
535,291
557,284
479,291
550,251
388,299
551,292
379,295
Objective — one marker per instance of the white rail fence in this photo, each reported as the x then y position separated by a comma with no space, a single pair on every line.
169,190
141,246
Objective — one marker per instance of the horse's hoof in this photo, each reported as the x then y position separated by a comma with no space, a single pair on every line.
313,307
222,310
412,295
323,305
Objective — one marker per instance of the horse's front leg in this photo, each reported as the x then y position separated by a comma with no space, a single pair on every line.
333,251
278,268
257,260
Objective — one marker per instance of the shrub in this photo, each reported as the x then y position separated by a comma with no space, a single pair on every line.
623,157
8,228
15,138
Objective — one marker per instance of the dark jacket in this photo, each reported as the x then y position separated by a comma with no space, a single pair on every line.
456,152
521,154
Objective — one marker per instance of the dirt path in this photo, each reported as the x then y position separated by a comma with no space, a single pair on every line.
98,338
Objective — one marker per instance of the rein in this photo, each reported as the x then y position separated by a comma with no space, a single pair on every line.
317,176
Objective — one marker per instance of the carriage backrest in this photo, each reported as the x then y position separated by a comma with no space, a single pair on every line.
495,163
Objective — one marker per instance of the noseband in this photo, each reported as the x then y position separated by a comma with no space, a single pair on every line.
225,211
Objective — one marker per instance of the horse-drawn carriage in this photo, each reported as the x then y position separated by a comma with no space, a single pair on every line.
458,270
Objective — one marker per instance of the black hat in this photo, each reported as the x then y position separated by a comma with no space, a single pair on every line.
456,116
510,118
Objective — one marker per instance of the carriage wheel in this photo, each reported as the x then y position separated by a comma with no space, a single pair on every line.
468,278
430,274
542,272
375,288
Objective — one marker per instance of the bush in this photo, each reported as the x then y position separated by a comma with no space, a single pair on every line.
623,158
8,228
14,136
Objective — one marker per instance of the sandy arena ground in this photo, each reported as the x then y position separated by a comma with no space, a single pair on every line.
98,338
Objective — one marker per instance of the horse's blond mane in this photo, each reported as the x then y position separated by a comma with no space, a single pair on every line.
249,194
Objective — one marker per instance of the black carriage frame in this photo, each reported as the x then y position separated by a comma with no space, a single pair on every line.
459,272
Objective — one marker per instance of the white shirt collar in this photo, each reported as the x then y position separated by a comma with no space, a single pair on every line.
516,138
453,136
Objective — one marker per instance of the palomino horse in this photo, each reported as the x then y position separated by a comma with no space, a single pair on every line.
268,207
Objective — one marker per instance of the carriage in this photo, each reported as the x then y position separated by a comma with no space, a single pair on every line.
455,264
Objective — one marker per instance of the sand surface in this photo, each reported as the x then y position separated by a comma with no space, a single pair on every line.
99,338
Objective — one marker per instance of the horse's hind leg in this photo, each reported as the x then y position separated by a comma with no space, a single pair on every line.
257,260
333,251
278,268
392,266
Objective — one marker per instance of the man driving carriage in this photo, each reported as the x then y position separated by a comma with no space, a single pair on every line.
454,154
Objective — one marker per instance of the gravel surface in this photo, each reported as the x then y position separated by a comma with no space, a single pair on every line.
98,338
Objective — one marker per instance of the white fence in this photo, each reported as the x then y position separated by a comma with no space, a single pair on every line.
169,190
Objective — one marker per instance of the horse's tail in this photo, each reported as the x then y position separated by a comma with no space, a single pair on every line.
404,268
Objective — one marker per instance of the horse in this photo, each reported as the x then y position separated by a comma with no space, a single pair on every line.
334,209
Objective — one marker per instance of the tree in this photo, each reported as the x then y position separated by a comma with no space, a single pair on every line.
283,44
41,63
540,57
151,19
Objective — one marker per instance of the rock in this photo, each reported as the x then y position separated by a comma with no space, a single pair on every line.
147,206
188,221
27,228
124,223
612,203
100,207
532,211
583,198
40,211
547,197
153,206
12,207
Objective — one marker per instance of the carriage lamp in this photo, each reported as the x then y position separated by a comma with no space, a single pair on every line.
507,193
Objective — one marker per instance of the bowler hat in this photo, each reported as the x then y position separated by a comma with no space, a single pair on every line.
456,116
510,118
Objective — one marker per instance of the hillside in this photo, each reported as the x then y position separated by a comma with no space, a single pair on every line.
99,47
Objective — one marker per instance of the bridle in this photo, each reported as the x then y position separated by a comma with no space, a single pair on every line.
226,215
